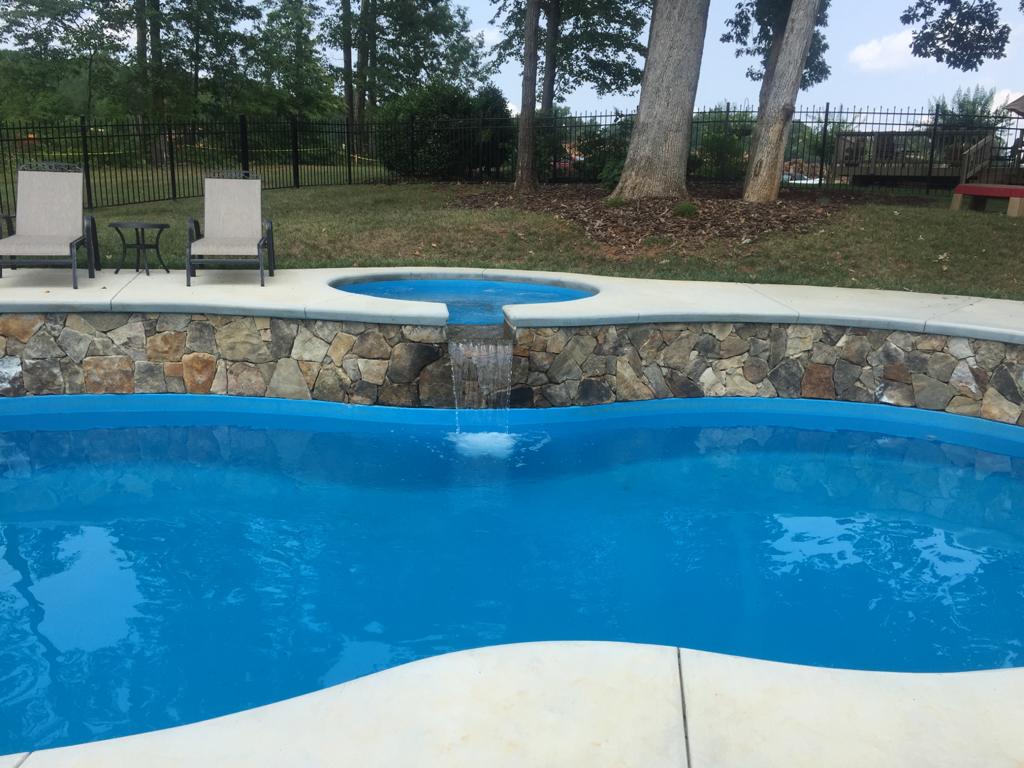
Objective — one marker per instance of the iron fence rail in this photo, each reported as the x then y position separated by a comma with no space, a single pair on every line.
137,161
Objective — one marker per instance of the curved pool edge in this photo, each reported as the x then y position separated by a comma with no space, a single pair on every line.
599,704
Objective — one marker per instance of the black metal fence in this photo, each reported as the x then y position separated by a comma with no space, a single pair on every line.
135,161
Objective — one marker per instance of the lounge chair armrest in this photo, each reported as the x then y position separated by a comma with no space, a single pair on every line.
194,230
268,229
8,219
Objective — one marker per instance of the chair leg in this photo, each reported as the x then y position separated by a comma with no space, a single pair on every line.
188,266
74,267
259,253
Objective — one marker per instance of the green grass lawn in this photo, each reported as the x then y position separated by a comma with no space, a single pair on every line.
869,245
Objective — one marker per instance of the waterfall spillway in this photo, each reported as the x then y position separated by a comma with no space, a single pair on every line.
481,380
481,372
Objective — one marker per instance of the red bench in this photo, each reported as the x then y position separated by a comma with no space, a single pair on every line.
980,194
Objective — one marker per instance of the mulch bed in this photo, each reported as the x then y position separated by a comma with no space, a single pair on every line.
721,214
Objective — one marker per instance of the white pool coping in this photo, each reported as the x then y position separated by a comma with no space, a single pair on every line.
307,293
600,705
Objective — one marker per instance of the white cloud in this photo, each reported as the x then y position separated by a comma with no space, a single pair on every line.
884,54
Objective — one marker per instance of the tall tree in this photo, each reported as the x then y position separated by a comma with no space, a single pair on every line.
778,103
660,144
290,57
593,42
391,46
959,33
62,30
526,162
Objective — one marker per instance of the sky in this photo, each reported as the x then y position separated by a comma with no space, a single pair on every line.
869,55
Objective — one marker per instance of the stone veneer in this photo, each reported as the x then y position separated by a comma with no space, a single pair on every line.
587,366
409,366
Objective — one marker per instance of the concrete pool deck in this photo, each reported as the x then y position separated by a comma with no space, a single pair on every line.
600,705
308,293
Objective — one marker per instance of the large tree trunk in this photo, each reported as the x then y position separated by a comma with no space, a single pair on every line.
553,33
526,168
660,145
768,153
770,63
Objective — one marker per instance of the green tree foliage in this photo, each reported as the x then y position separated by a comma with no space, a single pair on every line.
595,42
756,24
720,140
394,46
961,34
444,130
289,60
603,148
218,58
74,36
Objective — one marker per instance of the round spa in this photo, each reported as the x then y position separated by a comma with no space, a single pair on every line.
470,301
165,559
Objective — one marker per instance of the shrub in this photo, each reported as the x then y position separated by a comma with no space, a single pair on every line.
443,131
685,210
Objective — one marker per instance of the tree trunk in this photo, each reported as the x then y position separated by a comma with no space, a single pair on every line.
526,168
346,46
764,171
141,50
660,145
770,63
551,40
362,61
156,57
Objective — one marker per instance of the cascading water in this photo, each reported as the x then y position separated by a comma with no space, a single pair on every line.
481,359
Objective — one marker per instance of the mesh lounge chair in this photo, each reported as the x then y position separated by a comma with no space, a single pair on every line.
235,232
49,226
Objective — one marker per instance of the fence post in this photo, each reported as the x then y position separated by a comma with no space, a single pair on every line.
931,152
348,146
295,151
172,162
824,145
243,143
480,148
412,146
84,132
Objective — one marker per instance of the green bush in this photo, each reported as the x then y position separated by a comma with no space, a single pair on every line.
685,210
443,131
603,149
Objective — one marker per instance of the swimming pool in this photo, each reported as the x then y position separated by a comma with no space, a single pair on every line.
470,301
165,559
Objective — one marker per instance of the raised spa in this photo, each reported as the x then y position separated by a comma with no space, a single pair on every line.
470,301
165,559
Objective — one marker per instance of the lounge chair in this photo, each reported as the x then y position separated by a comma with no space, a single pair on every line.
236,233
49,227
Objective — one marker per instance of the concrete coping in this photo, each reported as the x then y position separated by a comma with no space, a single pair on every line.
600,705
309,293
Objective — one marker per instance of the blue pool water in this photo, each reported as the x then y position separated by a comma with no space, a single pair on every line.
470,301
165,559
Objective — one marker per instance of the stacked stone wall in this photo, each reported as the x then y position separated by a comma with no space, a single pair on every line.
404,365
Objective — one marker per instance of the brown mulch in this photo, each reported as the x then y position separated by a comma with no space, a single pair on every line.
721,214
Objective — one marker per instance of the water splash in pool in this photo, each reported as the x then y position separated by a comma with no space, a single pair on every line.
479,445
